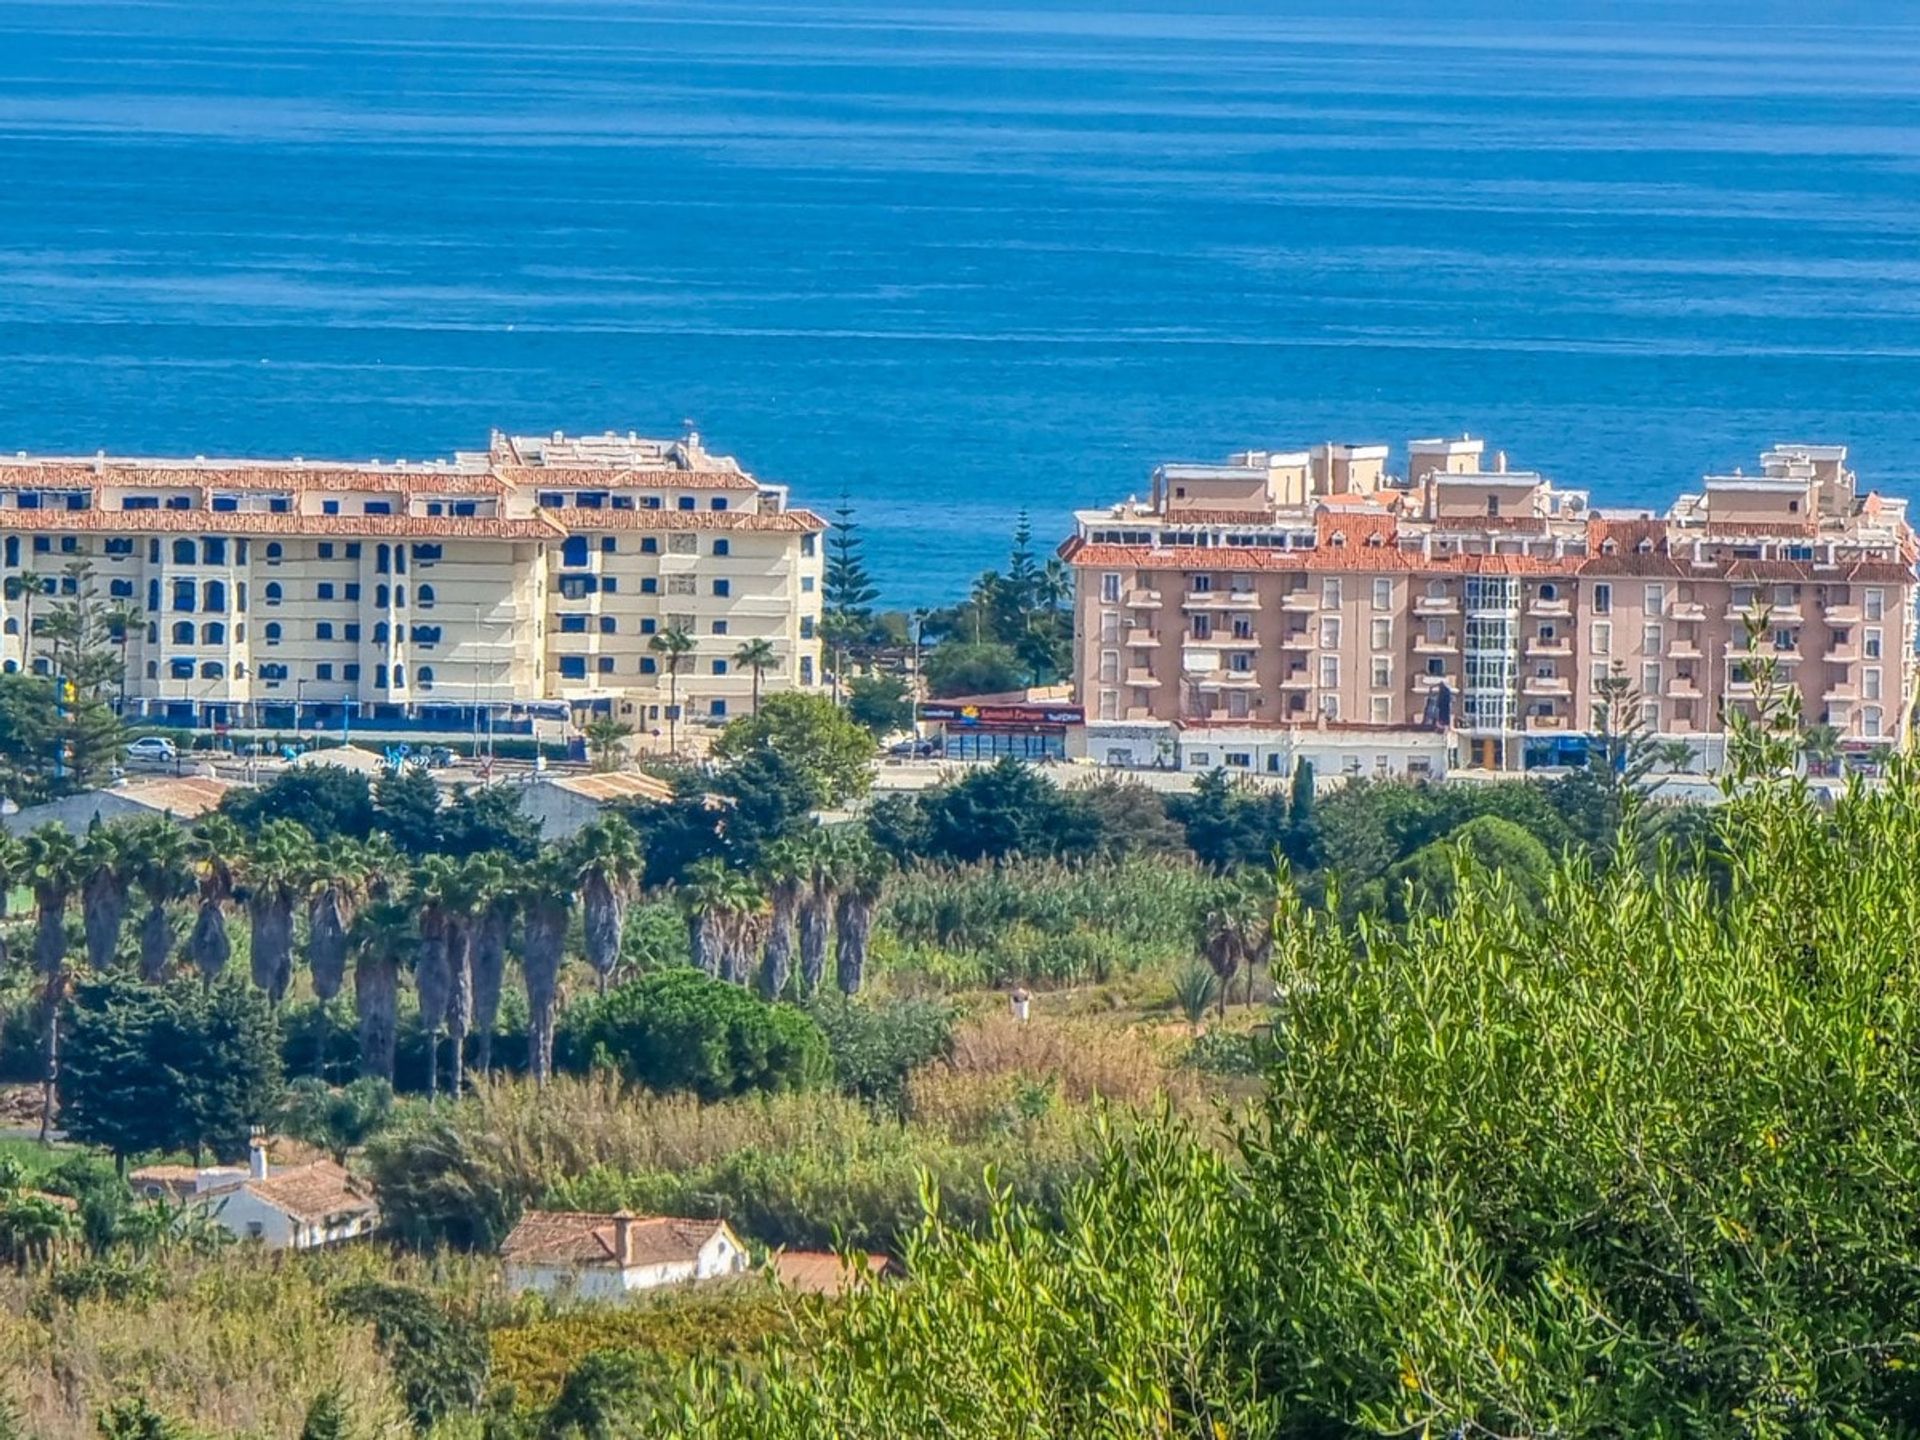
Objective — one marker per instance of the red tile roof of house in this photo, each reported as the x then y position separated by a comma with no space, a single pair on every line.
821,1272
577,1237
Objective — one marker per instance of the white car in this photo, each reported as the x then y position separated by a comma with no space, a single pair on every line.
153,747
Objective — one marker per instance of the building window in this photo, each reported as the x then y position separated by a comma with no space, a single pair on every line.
273,592
1603,599
1381,710
1330,593
326,550
184,593
717,709
213,551
1382,634
183,552
379,677
1329,671
183,632
213,633
686,502
647,665
323,671
573,624
1329,632
1602,634
212,670
609,625
573,553
1870,721
1382,672
1652,640
649,545
722,588
329,507
806,670
423,597
573,667
323,630
722,547
324,591
604,664
807,546
1383,594
1876,604
351,673
1872,647
1656,599
181,669
719,667
1870,683
426,677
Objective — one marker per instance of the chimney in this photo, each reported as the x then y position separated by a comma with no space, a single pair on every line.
623,1239
257,1153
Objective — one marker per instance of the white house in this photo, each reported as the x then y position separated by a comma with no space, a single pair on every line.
177,797
295,1207
605,1257
566,804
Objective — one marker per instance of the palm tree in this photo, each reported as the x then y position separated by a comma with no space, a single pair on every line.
440,890
50,867
383,941
498,901
860,877
162,871
24,587
609,863
674,646
106,857
606,739
1673,756
1820,748
336,874
215,848
816,909
546,893
1236,929
759,656
120,619
723,912
784,874
273,874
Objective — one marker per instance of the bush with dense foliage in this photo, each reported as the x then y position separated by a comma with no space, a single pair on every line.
680,1030
1640,1161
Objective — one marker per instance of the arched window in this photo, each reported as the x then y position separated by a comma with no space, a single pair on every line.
1549,591
379,677
426,677
183,632
381,594
183,552
273,632
213,633
240,596
425,597
399,677
13,626
212,670
273,592
153,669
274,552
399,597
213,596
383,559
12,667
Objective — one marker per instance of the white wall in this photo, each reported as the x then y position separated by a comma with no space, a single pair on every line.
718,1258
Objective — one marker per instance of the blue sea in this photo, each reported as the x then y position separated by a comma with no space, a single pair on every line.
953,260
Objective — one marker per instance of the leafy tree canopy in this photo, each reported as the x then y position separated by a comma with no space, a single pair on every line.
814,736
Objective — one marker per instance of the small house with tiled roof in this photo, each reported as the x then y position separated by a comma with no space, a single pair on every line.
604,1257
293,1207
821,1272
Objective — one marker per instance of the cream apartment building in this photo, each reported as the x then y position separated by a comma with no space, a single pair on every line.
528,578
1309,599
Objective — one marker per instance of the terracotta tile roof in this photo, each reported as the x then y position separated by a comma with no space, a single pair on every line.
243,522
585,477
576,1237
187,796
1381,559
319,1191
276,475
614,785
796,521
821,1272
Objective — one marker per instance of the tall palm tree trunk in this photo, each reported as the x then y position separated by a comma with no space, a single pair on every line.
327,942
376,994
816,910
854,925
209,944
270,955
776,966
459,998
432,983
156,942
604,915
489,967
546,936
103,908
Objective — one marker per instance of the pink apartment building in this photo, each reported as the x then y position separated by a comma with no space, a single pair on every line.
1308,602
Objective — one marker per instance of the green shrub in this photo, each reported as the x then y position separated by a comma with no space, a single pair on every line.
875,1045
439,1359
679,1030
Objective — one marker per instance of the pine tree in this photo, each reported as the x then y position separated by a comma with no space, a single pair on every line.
87,671
850,592
327,1417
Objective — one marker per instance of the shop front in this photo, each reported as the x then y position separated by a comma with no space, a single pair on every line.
991,731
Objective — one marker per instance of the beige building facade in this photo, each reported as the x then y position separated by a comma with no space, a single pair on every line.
1311,590
530,578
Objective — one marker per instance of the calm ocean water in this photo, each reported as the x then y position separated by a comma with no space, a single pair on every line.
953,260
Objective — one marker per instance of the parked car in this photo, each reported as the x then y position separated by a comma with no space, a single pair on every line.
155,748
915,749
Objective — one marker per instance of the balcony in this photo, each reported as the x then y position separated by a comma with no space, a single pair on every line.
1226,679
1300,601
1683,687
1427,605
1141,678
1776,614
1843,614
1549,685
1842,654
1550,608
1683,650
1423,683
1142,639
1298,679
1140,712
1687,611
1547,649
1445,645
1547,722
1845,690
1297,640
1143,599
